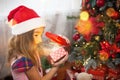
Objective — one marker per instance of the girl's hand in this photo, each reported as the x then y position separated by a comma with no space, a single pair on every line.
62,61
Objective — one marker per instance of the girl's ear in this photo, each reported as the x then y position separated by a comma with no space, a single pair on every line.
12,22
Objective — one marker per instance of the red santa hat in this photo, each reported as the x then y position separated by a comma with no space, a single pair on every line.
23,19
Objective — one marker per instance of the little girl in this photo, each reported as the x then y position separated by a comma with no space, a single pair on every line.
24,53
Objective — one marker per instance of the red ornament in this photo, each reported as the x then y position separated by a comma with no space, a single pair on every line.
100,3
116,15
76,36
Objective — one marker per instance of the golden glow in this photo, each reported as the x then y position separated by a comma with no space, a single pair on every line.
84,15
84,27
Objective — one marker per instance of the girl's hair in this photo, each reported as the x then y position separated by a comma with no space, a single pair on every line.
23,45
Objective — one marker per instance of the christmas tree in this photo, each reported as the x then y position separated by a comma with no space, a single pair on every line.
96,38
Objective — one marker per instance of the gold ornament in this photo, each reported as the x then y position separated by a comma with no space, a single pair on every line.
110,12
103,56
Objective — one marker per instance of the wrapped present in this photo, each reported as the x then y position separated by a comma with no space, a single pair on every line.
58,46
57,54
114,73
98,74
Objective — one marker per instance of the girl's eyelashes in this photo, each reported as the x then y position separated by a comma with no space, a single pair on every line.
35,35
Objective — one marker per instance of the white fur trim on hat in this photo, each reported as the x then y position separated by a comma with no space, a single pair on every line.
28,25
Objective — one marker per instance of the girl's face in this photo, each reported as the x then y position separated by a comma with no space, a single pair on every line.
37,35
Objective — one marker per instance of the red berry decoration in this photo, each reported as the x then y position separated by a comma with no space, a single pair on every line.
100,3
76,36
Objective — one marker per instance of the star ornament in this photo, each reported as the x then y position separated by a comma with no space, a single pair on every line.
89,27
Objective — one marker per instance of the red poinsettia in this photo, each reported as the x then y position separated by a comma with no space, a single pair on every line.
89,27
115,48
106,46
110,49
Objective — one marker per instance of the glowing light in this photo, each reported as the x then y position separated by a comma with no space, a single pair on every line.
84,15
86,28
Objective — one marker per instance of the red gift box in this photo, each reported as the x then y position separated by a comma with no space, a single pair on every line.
114,73
57,54
98,74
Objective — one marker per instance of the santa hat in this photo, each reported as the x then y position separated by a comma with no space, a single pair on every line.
62,40
23,19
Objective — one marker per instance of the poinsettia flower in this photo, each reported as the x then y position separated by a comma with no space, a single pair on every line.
96,26
89,27
115,48
84,28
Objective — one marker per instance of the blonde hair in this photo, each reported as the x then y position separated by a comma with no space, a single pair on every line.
23,45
